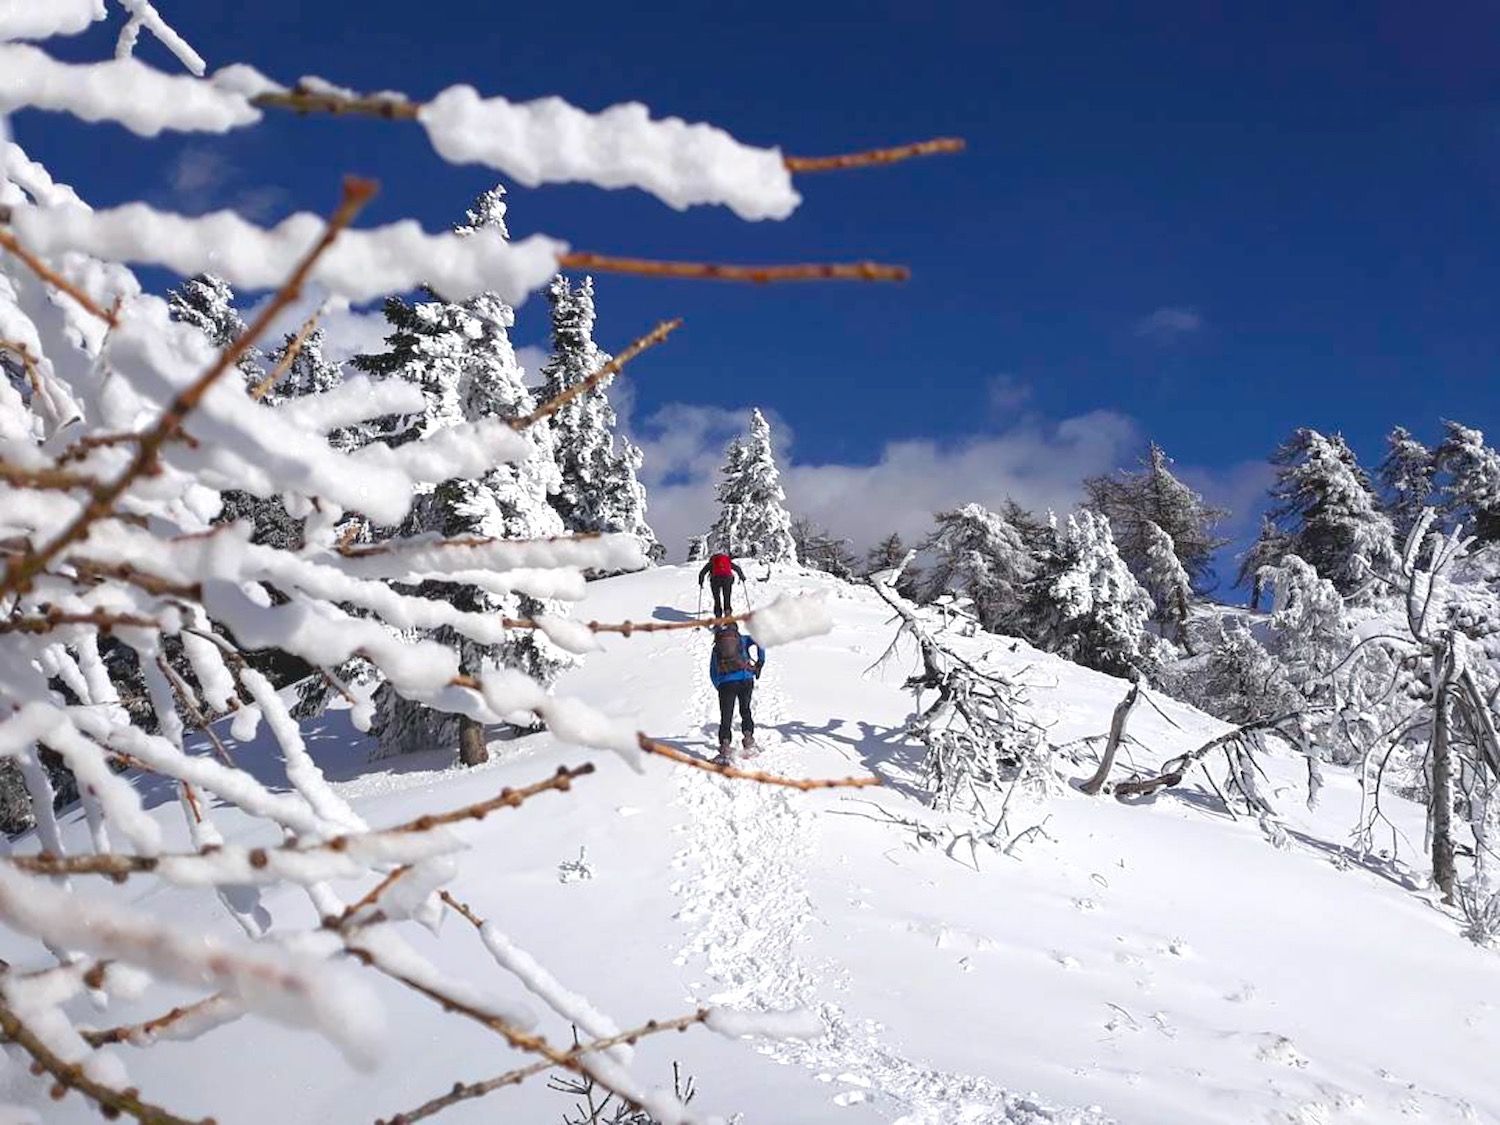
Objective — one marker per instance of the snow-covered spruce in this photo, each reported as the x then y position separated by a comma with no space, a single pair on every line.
598,489
153,585
753,521
461,357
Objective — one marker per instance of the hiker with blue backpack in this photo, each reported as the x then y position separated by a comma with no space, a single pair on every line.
720,570
733,673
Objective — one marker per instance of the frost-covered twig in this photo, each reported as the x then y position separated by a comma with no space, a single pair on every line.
71,1076
12,245
339,856
20,572
463,1092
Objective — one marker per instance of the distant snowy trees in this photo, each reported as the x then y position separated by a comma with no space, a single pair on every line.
1324,504
820,549
1143,504
753,521
980,555
598,489
1085,604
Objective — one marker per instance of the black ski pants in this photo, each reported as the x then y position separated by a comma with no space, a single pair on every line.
722,585
740,690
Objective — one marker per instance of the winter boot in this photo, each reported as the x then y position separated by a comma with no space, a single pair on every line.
724,757
748,742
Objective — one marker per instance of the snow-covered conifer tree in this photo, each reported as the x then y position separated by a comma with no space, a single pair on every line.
979,554
753,521
599,488
1270,547
1407,475
1152,495
1166,581
1239,681
207,303
1471,485
461,356
890,553
1325,504
1086,605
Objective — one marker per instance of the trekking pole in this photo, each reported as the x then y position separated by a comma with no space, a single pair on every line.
699,611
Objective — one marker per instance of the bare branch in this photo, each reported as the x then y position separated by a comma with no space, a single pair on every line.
467,1092
288,357
713,271
662,750
1116,733
799,165
55,619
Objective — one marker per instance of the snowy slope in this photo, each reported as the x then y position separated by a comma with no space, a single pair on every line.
1160,962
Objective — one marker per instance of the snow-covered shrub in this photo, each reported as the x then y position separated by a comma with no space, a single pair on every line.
122,427
980,555
972,722
1085,604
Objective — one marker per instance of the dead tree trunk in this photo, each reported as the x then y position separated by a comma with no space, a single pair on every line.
472,750
1444,872
1116,736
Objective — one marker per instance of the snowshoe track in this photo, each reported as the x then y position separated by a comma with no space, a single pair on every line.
746,910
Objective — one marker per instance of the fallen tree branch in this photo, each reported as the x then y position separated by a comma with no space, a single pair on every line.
1173,770
1116,733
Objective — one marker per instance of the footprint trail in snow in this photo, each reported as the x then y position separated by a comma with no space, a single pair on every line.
746,908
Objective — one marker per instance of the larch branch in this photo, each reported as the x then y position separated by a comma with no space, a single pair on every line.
662,750
714,271
10,243
875,156
20,573
462,1092
607,371
71,1076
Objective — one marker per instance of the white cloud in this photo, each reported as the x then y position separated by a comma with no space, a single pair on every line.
1007,394
1038,463
1169,323
346,331
531,357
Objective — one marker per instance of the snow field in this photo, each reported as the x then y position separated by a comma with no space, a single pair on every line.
1154,963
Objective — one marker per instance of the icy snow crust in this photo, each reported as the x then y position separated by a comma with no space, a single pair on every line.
1153,964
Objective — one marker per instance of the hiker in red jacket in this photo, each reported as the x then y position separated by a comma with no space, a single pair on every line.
720,570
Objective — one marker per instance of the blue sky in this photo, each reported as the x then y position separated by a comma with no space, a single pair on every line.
1196,223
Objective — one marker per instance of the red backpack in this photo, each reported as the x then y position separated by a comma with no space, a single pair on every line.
720,565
